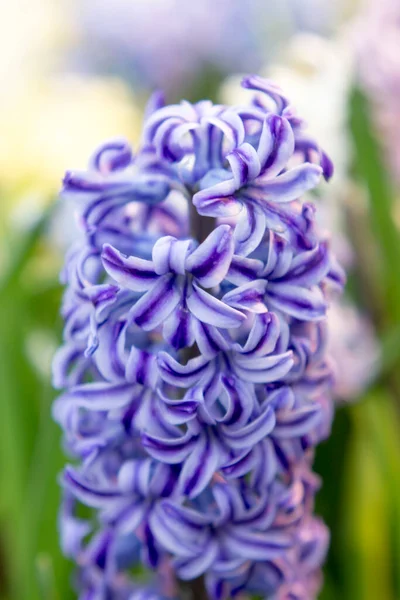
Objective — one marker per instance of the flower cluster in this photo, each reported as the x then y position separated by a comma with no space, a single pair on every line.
194,357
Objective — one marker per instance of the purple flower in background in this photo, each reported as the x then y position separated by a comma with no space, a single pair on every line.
169,44
194,364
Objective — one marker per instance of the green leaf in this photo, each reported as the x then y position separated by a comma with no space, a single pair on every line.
369,530
24,251
369,164
30,453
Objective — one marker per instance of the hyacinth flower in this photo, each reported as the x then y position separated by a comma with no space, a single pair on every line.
194,365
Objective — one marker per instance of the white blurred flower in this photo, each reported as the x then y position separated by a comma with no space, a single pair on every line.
316,73
354,348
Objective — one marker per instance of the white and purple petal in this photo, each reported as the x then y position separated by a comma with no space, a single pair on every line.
168,450
263,369
296,301
250,228
291,185
297,422
155,306
263,336
209,309
274,159
180,375
218,200
243,270
248,297
191,568
200,465
257,546
130,272
247,437
309,268
210,262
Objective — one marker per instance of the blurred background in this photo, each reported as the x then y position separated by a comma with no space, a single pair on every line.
76,72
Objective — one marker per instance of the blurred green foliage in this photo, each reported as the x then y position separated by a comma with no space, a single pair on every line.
360,463
30,450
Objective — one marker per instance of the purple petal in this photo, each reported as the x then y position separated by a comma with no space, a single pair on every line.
157,304
108,355
243,270
88,185
114,155
209,309
141,368
245,164
266,465
87,493
178,329
251,434
101,396
130,517
249,296
264,369
231,125
263,336
293,221
169,255
154,103
250,229
194,567
131,272
291,185
218,200
200,466
336,274
209,340
298,302
268,87
260,516
307,146
134,477
175,536
280,257
276,160
184,376
210,262
181,411
72,533
69,365
241,400
240,465
309,268
296,423
257,546
168,450
182,530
